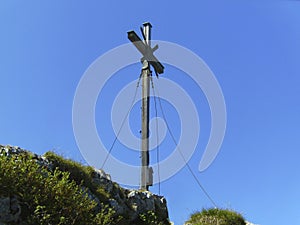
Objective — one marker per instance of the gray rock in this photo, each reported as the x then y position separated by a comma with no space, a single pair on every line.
10,209
10,150
248,223
101,174
120,209
143,201
99,177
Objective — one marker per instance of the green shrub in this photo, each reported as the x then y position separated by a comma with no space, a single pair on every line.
216,217
82,175
48,198
79,173
149,218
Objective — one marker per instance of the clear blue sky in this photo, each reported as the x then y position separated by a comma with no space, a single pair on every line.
253,48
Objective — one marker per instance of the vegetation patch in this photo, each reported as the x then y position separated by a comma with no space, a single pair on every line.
216,217
51,190
48,197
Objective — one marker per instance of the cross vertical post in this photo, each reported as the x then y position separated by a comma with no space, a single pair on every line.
146,73
148,59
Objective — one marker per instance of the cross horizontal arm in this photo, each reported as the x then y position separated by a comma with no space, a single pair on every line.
146,51
138,43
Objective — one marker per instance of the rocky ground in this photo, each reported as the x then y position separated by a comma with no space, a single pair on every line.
130,203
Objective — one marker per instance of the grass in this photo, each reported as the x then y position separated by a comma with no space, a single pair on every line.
215,216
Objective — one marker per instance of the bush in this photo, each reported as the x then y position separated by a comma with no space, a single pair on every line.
78,173
216,217
48,197
82,175
149,218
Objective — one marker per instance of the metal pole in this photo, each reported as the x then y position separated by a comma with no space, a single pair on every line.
145,175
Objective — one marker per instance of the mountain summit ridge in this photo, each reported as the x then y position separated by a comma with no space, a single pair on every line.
124,206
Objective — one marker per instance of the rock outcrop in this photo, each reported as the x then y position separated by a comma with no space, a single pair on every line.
125,202
10,209
248,223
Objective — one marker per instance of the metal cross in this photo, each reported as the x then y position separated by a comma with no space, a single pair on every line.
148,59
